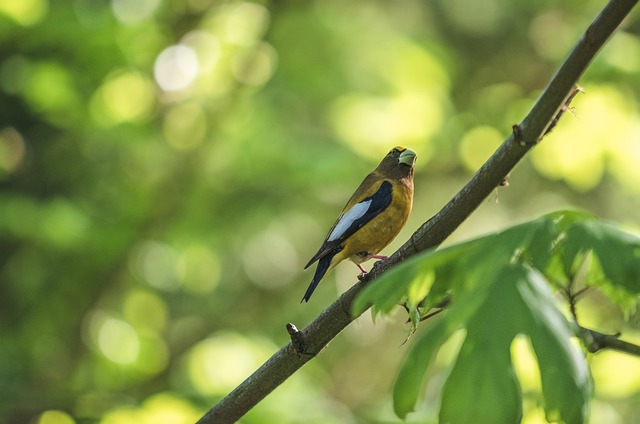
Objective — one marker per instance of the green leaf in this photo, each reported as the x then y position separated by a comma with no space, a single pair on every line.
411,374
484,361
618,251
393,286
565,218
387,291
415,275
413,369
515,301
530,241
498,291
616,268
482,387
566,385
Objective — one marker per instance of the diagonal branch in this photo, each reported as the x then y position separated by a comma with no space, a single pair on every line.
596,341
308,342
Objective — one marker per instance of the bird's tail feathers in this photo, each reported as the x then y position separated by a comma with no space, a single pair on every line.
311,262
324,265
324,251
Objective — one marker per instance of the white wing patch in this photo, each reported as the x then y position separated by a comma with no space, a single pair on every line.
347,219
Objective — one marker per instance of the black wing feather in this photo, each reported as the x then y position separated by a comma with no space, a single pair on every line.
380,200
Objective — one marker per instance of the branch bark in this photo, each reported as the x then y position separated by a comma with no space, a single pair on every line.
308,342
596,341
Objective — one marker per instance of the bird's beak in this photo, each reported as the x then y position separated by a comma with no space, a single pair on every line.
408,157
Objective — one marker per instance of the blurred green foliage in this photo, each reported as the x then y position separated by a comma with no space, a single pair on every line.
167,168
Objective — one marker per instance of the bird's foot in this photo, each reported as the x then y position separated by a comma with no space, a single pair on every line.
363,273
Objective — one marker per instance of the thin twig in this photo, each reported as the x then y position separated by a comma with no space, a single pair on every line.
431,314
565,107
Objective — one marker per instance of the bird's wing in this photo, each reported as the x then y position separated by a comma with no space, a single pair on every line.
355,217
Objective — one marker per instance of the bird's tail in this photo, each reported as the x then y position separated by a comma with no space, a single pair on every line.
324,265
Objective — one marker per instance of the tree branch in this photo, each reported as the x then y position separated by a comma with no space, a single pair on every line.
595,341
525,135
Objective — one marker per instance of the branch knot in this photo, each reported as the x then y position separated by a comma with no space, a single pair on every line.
297,339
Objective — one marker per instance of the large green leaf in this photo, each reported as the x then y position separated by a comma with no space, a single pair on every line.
390,289
518,302
532,241
499,291
411,374
564,373
618,252
482,386
555,244
413,369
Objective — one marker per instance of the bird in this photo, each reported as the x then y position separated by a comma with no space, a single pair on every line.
371,219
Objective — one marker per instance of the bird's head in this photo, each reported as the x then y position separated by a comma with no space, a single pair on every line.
398,163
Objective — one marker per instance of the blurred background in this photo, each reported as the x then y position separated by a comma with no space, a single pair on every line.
168,167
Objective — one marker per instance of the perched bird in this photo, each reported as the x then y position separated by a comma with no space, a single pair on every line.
372,218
